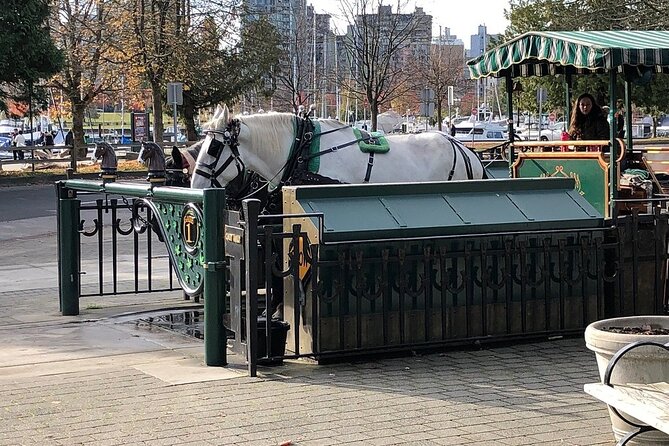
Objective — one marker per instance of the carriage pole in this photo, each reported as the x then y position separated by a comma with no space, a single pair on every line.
509,106
613,174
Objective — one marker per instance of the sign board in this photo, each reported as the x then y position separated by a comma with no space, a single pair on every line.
542,95
175,93
451,96
427,94
305,265
427,109
139,126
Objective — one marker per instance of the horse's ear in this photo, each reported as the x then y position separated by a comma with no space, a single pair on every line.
226,114
176,158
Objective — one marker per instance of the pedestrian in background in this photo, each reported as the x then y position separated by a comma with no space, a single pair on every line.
69,138
19,141
48,139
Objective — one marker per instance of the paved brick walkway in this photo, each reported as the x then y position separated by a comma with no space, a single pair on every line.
100,379
97,380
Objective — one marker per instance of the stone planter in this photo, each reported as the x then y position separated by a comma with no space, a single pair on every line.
645,364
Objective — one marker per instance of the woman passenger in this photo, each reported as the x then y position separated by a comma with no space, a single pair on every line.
588,121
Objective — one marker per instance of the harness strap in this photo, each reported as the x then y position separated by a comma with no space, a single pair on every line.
370,164
335,148
455,161
297,158
468,164
467,161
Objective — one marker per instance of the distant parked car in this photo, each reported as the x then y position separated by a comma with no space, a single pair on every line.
552,133
548,132
662,130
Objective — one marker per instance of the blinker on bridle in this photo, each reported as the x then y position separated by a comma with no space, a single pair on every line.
215,149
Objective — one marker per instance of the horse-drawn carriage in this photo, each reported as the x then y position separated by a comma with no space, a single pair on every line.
386,267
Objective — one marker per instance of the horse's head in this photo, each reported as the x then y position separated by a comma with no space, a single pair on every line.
152,155
219,161
178,169
259,142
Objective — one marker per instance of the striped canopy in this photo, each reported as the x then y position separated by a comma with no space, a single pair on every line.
562,52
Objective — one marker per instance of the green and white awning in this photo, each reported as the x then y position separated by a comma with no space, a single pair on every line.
561,52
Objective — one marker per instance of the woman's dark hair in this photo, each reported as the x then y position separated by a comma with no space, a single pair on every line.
578,118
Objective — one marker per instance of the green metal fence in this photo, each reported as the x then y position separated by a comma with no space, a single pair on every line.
189,221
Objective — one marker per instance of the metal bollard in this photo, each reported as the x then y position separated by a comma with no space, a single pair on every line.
215,339
68,251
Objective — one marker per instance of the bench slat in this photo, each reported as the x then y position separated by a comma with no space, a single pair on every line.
648,403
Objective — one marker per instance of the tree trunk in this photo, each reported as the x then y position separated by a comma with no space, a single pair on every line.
78,111
157,111
374,111
189,117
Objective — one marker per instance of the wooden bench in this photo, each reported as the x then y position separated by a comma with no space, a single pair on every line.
648,403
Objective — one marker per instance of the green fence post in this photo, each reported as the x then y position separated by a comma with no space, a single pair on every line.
215,340
68,250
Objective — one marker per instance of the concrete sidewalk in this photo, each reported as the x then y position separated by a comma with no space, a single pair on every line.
102,379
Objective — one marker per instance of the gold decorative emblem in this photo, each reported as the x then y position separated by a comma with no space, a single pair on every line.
190,228
559,172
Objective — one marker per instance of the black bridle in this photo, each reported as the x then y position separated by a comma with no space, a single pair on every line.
215,149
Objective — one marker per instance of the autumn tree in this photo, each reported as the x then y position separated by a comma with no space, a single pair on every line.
81,29
217,66
443,69
151,36
379,46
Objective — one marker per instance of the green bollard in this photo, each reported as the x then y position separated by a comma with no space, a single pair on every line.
68,251
215,340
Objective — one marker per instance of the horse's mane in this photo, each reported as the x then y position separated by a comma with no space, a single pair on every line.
266,129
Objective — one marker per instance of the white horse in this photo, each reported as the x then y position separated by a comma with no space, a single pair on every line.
278,146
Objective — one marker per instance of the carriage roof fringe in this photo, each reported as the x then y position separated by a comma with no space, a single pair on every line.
573,52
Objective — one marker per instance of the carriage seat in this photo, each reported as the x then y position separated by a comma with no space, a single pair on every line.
374,142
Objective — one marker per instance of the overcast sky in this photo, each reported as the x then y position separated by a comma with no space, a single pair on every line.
462,16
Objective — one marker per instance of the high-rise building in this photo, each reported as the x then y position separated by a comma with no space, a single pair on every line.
446,38
480,41
283,14
392,24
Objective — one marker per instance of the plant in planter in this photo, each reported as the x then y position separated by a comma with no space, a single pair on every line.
646,364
